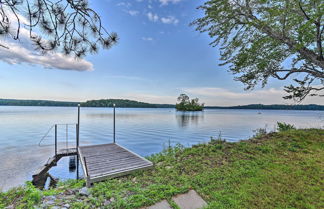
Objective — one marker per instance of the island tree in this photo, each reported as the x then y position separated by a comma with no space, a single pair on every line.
69,26
260,39
185,104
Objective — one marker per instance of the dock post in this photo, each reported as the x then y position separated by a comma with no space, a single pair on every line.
78,129
77,143
55,141
114,124
88,183
77,151
77,166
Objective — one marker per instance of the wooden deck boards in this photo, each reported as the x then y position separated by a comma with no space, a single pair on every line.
109,160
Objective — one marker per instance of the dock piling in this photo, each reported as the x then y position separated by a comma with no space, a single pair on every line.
78,129
55,140
114,123
77,143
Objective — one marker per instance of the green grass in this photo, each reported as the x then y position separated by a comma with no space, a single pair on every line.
277,170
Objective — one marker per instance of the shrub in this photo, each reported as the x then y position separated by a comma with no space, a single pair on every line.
284,126
259,132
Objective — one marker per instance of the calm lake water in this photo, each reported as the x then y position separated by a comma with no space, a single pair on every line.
144,131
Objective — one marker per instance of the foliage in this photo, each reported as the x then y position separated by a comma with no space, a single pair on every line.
122,103
91,103
260,39
14,102
278,170
284,127
71,26
260,132
71,184
185,104
21,197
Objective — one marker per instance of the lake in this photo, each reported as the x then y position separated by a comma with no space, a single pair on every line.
143,130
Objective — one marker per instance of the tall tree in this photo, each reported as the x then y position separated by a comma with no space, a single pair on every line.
260,39
70,26
185,104
183,98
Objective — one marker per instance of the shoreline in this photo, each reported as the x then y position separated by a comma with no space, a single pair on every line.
205,108
219,171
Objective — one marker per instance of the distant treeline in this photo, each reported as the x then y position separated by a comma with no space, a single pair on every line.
136,104
122,103
18,102
272,107
90,103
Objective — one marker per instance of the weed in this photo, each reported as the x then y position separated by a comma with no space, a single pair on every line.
284,127
260,132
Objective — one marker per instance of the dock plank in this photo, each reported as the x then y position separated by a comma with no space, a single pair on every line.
109,167
117,170
114,162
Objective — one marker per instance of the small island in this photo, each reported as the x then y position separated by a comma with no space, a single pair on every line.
185,104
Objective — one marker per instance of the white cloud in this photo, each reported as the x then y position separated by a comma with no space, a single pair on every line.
147,39
23,51
210,91
133,12
221,96
169,20
17,54
166,2
124,4
166,20
151,98
152,17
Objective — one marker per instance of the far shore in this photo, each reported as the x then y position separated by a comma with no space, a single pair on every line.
243,107
124,103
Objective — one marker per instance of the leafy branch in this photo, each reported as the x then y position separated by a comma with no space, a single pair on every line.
70,26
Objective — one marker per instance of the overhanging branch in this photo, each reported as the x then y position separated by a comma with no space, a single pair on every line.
3,46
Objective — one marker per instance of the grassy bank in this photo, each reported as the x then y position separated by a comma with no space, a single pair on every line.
276,170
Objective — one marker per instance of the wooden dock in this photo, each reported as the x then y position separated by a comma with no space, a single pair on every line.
99,162
104,161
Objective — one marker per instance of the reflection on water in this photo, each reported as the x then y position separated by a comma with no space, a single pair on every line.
186,119
72,164
110,115
144,131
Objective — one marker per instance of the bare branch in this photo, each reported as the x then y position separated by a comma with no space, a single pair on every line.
1,45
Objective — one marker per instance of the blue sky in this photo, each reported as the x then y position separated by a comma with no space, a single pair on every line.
158,57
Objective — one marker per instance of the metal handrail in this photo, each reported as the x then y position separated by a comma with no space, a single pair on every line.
50,129
45,135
